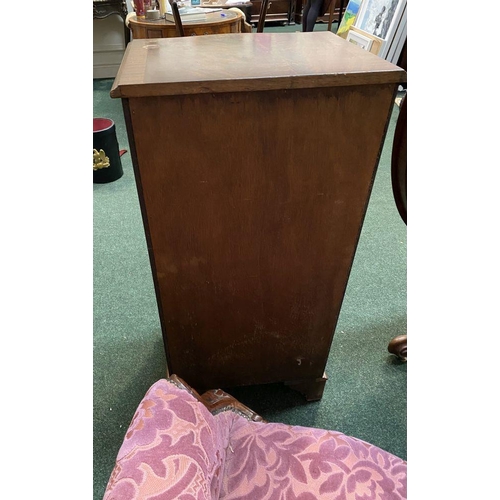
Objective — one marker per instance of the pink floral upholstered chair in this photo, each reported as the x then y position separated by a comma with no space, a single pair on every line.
184,446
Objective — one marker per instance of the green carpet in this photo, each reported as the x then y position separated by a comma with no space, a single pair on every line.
365,395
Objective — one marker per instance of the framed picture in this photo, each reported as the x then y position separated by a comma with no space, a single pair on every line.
354,35
393,50
350,13
381,18
359,39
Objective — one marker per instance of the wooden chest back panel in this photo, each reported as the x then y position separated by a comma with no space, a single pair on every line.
253,206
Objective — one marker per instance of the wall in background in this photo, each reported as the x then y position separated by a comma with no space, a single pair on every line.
109,45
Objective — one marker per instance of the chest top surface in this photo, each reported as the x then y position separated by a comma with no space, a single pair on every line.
247,62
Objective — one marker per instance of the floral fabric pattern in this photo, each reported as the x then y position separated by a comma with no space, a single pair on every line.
281,462
175,449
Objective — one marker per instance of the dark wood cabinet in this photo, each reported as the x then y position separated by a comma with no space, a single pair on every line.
290,11
279,10
253,181
339,7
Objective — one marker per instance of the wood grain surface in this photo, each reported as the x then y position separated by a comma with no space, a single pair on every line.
247,62
254,204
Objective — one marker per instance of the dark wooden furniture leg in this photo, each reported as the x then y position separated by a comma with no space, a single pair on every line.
312,389
398,347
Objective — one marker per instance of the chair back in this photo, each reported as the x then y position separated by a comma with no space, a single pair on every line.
264,6
177,18
398,161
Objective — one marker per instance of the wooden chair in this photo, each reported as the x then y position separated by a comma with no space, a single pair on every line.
331,10
398,345
264,7
177,19
247,28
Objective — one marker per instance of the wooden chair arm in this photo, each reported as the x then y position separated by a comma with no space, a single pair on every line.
216,400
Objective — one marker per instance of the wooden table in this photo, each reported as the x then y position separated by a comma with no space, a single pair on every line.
254,165
213,24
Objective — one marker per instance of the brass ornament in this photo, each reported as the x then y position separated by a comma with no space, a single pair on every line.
100,160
